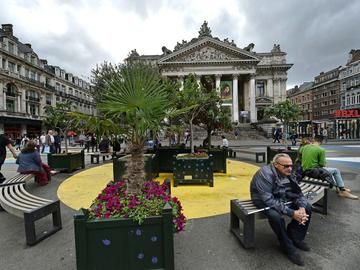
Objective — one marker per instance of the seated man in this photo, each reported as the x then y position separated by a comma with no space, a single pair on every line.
272,186
312,157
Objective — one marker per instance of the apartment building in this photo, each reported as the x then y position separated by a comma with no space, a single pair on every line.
28,84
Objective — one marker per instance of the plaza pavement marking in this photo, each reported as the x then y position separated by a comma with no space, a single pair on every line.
346,159
198,201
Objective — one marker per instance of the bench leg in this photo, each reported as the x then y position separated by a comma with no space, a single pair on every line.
322,205
30,218
243,227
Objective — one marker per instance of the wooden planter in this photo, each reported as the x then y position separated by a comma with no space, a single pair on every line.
271,152
151,167
166,156
123,244
67,162
218,156
193,171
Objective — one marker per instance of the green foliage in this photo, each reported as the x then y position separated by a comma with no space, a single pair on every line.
57,116
137,94
99,77
284,111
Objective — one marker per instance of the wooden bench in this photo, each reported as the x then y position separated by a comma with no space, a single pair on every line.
243,213
257,154
96,156
17,201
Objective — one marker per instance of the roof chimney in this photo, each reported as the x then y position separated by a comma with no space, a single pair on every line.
28,44
8,29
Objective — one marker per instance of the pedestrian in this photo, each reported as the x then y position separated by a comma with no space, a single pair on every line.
325,135
5,143
225,142
277,135
272,186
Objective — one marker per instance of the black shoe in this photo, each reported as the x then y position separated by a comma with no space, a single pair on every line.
301,245
296,259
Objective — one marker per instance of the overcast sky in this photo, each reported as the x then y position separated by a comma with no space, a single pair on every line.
76,34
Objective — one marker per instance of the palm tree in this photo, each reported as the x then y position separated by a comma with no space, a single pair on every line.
137,94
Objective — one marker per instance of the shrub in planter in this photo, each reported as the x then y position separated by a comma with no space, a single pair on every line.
129,231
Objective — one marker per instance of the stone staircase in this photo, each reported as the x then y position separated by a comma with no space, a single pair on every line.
247,132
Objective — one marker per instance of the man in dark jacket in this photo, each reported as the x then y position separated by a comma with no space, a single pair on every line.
274,186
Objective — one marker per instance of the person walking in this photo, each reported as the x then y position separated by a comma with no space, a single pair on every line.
5,143
325,135
277,135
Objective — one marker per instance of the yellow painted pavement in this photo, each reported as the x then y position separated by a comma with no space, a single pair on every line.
198,201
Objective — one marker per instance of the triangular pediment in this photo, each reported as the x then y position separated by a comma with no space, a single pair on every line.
208,50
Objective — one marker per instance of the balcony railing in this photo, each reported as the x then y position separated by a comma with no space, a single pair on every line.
33,99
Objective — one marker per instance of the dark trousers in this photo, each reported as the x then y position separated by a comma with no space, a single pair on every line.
293,232
2,160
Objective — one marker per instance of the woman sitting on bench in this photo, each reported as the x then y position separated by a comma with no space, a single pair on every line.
29,161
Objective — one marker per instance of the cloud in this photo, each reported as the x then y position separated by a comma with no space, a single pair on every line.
75,35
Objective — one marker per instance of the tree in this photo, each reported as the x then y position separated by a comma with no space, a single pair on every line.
213,116
58,117
99,77
196,100
284,111
137,94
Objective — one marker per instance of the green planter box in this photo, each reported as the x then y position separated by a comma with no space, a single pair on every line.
67,162
151,167
123,244
218,156
166,156
271,152
193,171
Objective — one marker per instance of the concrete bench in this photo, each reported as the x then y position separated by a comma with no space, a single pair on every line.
257,154
95,157
15,200
243,213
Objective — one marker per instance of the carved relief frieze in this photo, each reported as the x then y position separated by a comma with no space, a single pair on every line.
207,54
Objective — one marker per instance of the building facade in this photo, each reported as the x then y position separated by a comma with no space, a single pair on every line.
28,84
348,118
247,81
326,100
303,96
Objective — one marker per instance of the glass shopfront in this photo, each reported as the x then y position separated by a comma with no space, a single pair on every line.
347,124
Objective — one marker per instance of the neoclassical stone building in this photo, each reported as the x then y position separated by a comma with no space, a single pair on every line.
28,84
246,80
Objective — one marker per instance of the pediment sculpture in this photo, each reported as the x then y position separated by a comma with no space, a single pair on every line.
207,54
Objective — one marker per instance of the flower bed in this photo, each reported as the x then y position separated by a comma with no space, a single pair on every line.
192,155
115,202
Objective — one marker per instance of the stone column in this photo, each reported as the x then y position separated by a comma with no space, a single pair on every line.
253,116
283,89
181,81
217,83
2,95
19,102
23,129
235,99
23,100
270,88
4,100
246,96
276,90
42,97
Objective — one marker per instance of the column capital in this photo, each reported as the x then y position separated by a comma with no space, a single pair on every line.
235,76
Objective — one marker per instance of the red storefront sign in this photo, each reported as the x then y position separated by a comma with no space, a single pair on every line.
346,113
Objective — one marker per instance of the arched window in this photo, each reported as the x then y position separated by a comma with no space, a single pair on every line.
11,90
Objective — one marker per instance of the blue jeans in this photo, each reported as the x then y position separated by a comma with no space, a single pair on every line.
293,232
335,173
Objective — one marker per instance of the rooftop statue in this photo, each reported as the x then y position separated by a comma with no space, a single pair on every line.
249,47
276,48
165,50
133,53
205,30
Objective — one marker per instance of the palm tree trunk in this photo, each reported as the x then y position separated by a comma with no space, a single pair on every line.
135,168
191,137
209,137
